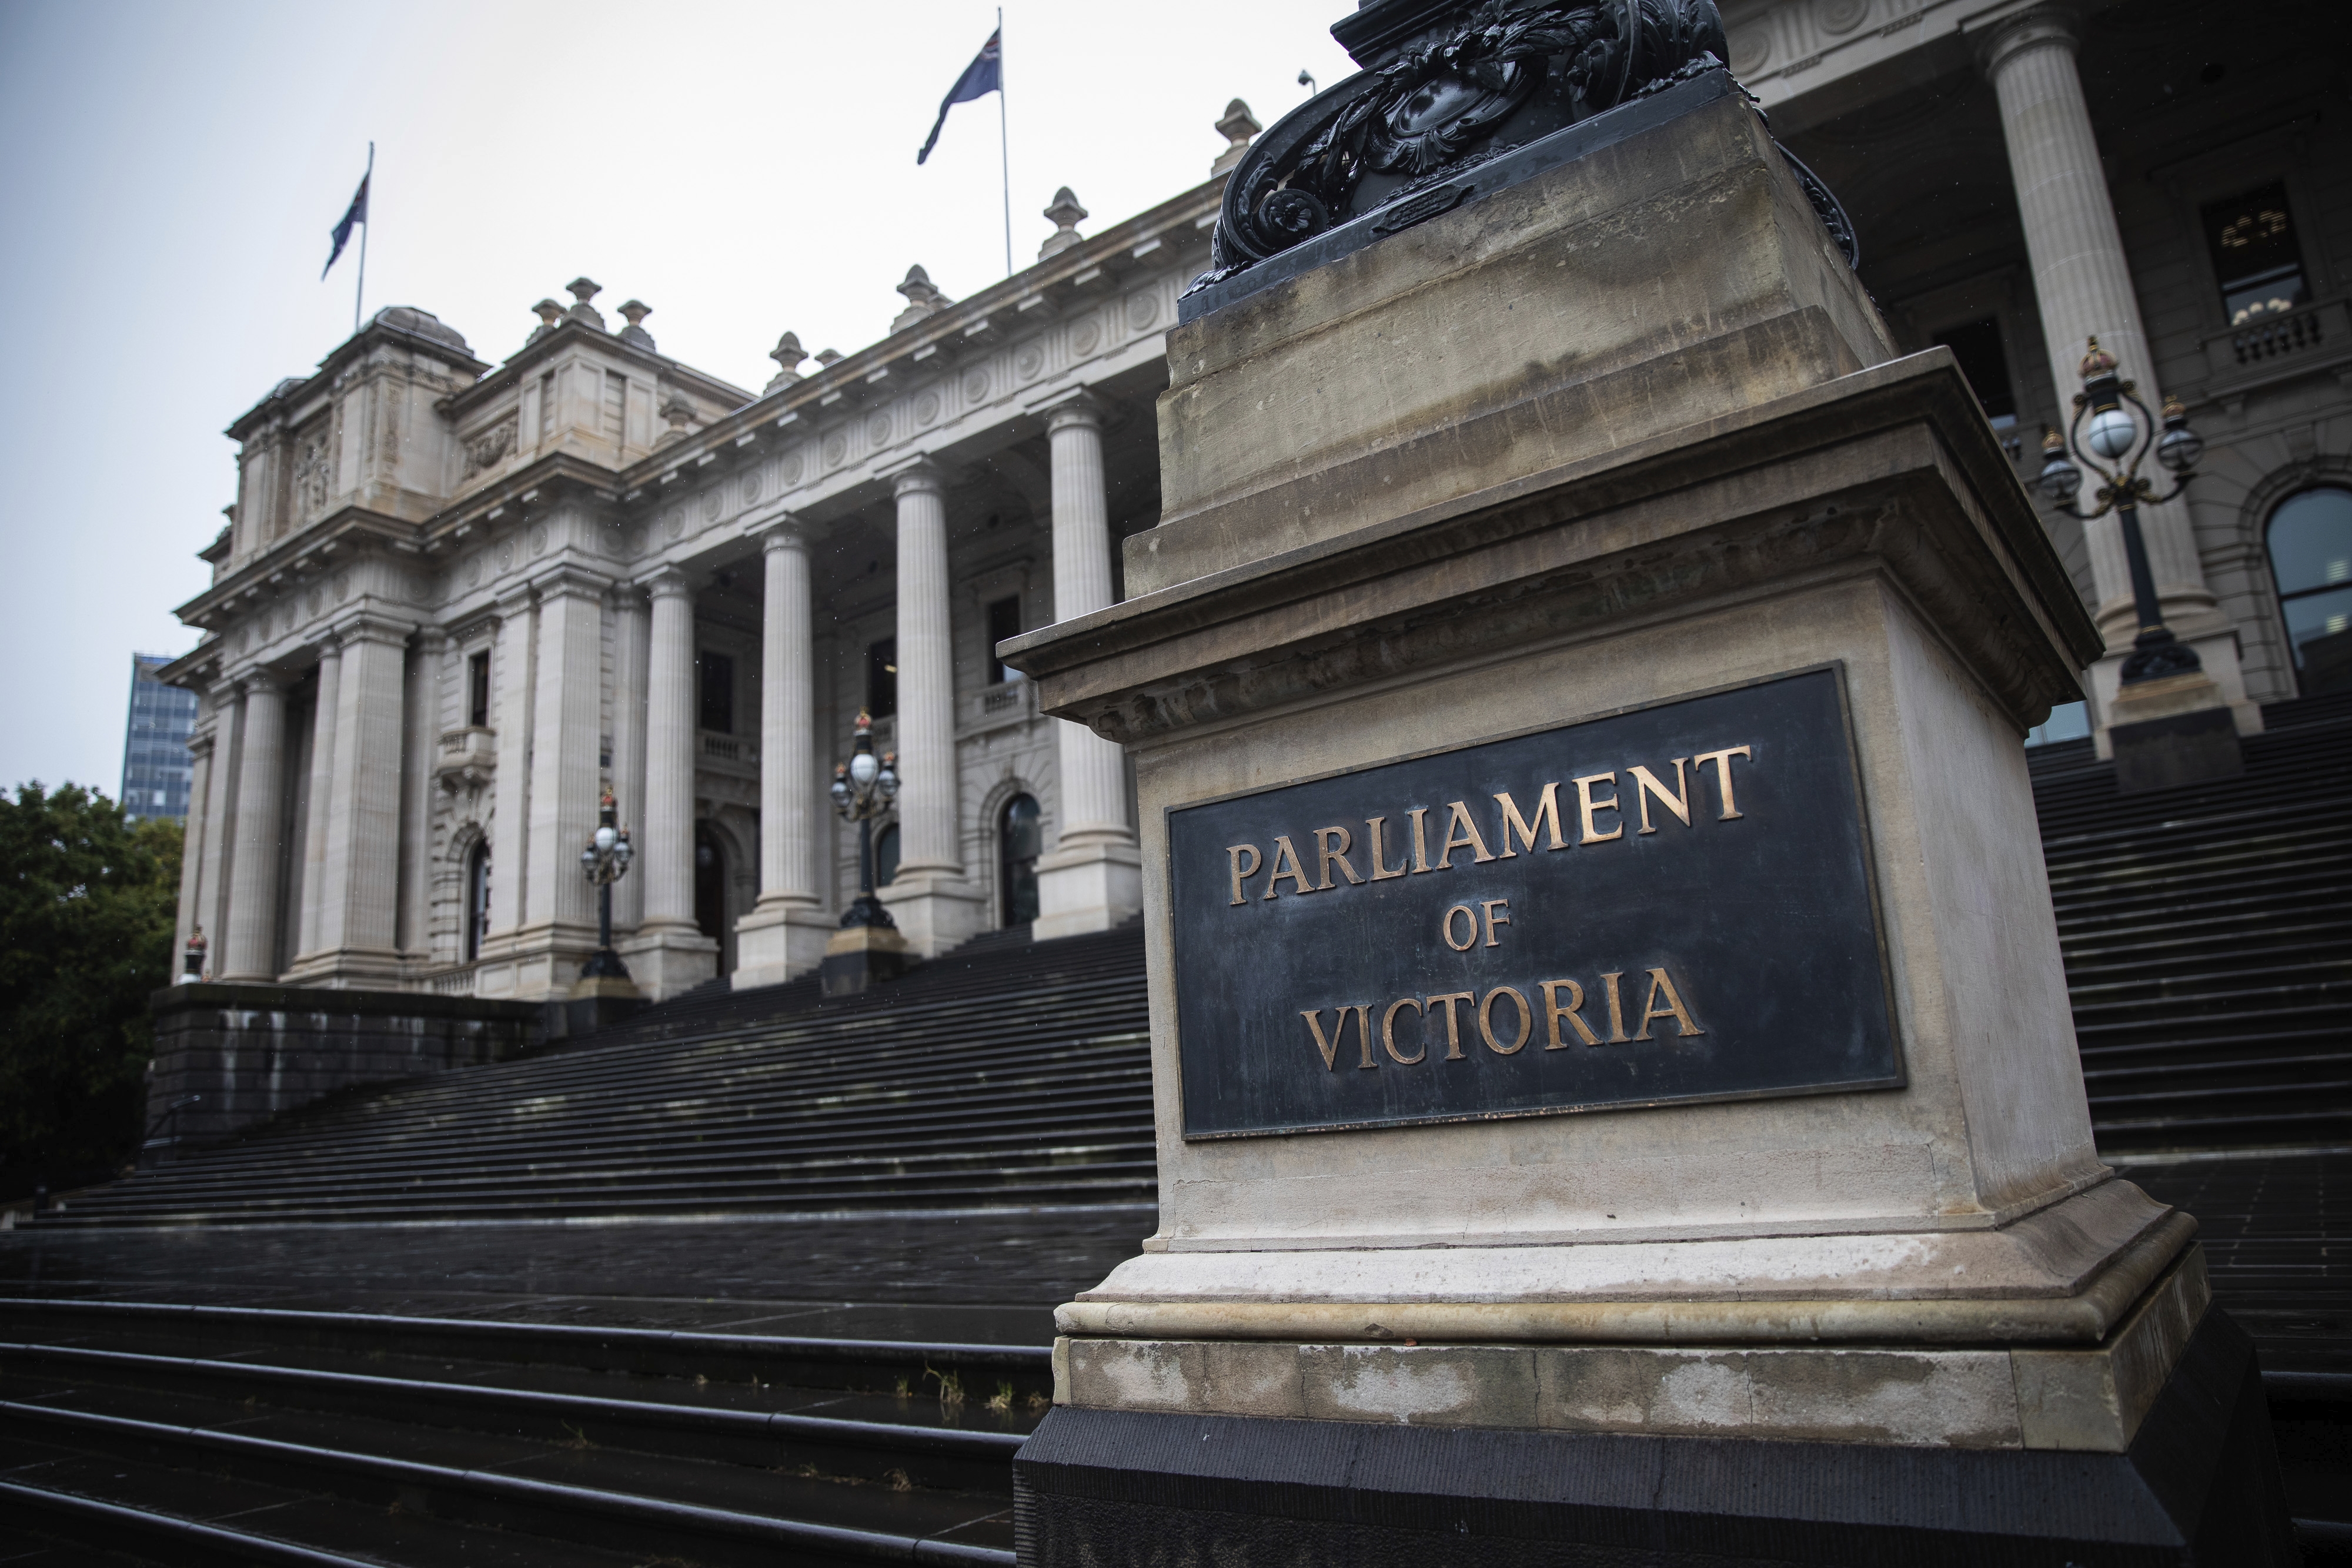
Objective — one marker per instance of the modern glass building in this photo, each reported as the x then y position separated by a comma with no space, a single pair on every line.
155,766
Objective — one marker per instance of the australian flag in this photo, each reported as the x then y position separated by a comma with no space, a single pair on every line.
984,76
357,214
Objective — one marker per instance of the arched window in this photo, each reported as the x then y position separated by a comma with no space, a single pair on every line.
2311,560
885,855
710,884
1021,838
478,899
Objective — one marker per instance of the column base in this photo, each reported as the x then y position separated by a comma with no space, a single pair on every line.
779,942
858,957
1089,886
2223,687
2167,733
668,958
2198,1484
935,910
348,970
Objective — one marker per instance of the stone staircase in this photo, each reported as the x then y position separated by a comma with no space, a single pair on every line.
2208,938
1010,1072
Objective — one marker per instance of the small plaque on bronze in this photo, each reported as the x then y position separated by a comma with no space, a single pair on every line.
1669,904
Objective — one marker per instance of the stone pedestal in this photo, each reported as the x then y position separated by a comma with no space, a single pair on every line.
1087,884
779,942
1606,1003
859,958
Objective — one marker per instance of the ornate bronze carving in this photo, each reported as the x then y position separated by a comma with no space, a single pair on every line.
1447,87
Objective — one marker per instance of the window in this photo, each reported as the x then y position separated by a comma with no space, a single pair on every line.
2311,560
882,677
709,885
1022,838
1003,621
718,686
2256,259
1978,348
616,405
478,899
547,408
886,856
478,690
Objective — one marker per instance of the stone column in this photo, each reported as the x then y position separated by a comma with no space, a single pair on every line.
560,908
2083,282
199,842
212,863
314,833
784,934
669,954
510,693
1093,878
420,749
358,894
934,906
629,740
249,947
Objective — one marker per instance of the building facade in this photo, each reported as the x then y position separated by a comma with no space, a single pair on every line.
155,767
456,601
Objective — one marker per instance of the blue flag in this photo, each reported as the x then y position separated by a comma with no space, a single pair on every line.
356,214
984,76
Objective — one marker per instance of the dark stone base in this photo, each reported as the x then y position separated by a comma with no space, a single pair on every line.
576,1016
2186,749
846,974
2200,1485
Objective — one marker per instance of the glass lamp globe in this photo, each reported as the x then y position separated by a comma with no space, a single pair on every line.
605,838
588,859
889,783
622,852
2060,480
2180,448
863,767
2111,433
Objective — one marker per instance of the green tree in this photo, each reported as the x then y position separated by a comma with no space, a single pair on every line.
87,903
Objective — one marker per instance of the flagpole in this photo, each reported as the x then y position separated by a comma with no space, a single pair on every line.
1003,141
360,291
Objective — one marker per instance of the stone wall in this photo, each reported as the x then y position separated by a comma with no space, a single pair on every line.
255,1051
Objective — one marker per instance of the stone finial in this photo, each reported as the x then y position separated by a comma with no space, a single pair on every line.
636,310
788,355
549,313
1237,126
922,299
828,357
583,290
1065,216
678,413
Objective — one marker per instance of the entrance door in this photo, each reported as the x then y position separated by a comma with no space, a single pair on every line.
1021,834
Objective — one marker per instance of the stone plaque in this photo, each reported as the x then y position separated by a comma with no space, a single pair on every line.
1668,905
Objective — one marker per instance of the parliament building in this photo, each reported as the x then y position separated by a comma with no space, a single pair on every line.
457,600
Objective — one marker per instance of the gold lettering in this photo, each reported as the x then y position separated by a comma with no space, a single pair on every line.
1324,851
1661,985
1420,815
1285,854
1241,874
1616,1007
1547,816
1493,919
1446,928
1330,1047
1453,1028
1378,853
1486,1022
1586,805
1722,761
1387,1031
1468,838
1554,1012
1647,784
1363,1012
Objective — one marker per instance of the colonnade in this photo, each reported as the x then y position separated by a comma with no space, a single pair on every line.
377,721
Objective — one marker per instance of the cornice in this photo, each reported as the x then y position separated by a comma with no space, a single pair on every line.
1119,250
569,334
283,396
344,535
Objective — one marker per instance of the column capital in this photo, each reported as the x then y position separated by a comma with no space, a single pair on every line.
918,476
2004,38
201,742
783,531
256,678
565,579
670,582
364,627
512,600
1076,408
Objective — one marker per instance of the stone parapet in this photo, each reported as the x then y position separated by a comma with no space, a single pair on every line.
257,1052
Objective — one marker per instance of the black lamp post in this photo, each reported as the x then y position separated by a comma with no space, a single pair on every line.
604,861
2124,437
868,948
863,789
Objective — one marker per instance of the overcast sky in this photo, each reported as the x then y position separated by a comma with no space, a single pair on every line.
172,171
